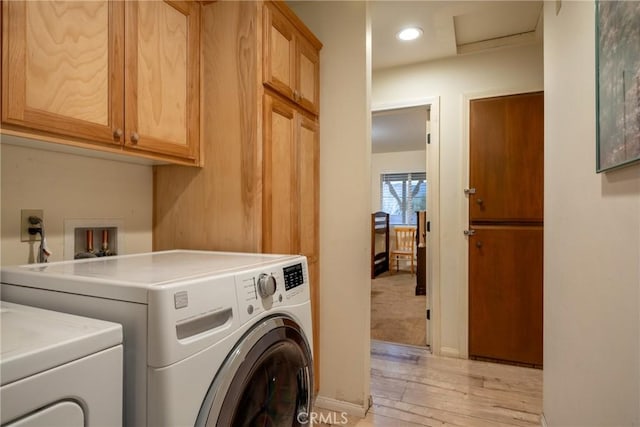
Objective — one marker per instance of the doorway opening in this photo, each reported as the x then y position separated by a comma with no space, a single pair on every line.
404,185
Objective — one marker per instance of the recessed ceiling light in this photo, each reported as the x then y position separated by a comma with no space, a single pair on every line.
410,33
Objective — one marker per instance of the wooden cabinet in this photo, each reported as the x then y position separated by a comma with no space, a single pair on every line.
120,76
162,77
258,188
291,187
290,192
60,67
291,64
506,168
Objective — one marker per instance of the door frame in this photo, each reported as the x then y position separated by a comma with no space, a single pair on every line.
432,161
463,302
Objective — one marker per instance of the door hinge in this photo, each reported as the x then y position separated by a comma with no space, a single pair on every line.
428,226
428,138
469,232
428,314
468,191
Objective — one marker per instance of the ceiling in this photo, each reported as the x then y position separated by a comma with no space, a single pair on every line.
402,129
450,28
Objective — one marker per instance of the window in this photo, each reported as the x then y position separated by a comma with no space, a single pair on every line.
402,194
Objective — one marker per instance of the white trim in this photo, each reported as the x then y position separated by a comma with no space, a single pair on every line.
449,352
341,406
419,102
433,214
543,420
463,301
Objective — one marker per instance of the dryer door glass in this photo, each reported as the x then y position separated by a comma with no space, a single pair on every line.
267,380
272,393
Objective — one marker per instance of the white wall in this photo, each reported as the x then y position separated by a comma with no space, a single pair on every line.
345,180
70,186
503,71
591,244
398,162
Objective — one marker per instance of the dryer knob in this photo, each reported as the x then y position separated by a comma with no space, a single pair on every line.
266,285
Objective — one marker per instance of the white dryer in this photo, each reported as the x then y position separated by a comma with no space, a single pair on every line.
58,369
210,338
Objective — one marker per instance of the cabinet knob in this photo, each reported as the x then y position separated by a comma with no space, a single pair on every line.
117,134
135,137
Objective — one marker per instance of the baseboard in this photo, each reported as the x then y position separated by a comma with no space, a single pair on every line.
449,352
341,406
543,421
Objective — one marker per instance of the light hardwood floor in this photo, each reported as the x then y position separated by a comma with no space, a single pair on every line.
411,387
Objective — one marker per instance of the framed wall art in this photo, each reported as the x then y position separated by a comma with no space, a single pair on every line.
617,84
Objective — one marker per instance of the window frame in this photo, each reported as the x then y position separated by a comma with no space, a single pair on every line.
405,200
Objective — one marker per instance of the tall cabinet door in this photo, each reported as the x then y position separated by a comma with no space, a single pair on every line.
505,293
506,151
290,193
63,67
280,191
506,158
308,208
162,75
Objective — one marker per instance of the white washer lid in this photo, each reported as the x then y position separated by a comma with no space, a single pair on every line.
34,340
132,277
153,268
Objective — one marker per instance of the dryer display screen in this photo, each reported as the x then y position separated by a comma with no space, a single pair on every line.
293,276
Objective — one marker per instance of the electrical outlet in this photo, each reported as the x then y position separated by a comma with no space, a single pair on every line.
25,224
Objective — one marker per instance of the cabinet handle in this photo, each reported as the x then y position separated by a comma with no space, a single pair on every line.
135,137
117,134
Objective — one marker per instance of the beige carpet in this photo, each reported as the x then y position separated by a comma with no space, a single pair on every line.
397,314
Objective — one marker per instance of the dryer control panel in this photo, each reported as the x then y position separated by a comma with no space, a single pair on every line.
293,276
260,291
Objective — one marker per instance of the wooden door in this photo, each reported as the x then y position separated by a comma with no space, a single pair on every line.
308,207
308,85
279,52
63,67
506,158
506,222
280,191
162,77
505,293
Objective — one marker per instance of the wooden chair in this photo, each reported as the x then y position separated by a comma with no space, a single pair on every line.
405,246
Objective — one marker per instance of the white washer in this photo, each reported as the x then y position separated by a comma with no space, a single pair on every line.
210,338
58,369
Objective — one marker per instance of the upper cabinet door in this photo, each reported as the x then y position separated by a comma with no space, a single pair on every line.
308,76
162,77
279,52
290,61
506,158
63,69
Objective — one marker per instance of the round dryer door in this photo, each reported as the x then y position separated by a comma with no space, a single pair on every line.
267,380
